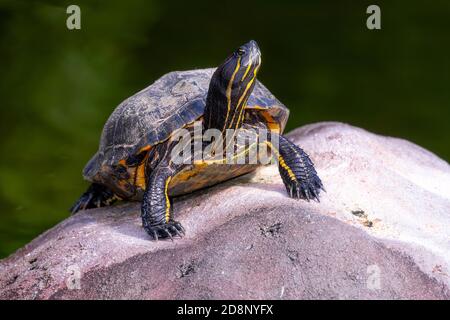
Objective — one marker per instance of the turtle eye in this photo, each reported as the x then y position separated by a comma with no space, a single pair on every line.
241,51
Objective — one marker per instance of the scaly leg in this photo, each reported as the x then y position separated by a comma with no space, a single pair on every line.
157,212
297,171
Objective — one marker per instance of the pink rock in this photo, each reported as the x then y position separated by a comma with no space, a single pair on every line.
380,232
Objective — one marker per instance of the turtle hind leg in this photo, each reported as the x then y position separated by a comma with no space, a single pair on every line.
157,212
96,196
297,171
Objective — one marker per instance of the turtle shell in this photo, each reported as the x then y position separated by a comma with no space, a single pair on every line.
153,114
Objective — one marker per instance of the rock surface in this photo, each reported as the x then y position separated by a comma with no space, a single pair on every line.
380,232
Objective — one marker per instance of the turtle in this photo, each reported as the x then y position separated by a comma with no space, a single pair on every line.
135,159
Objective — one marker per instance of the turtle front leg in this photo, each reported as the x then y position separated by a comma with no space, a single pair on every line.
297,171
157,212
96,196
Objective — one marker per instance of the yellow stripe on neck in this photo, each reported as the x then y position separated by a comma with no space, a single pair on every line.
166,192
228,92
243,96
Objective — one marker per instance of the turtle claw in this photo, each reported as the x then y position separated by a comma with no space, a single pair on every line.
96,196
169,235
83,203
172,228
179,227
303,190
166,230
307,195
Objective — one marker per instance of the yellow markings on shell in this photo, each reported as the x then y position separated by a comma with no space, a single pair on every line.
145,148
184,176
137,173
270,122
166,193
187,174
228,92
140,176
194,176
256,107
273,126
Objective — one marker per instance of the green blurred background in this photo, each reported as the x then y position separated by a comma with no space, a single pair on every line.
59,86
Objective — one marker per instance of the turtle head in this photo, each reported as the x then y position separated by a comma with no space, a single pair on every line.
240,68
231,85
